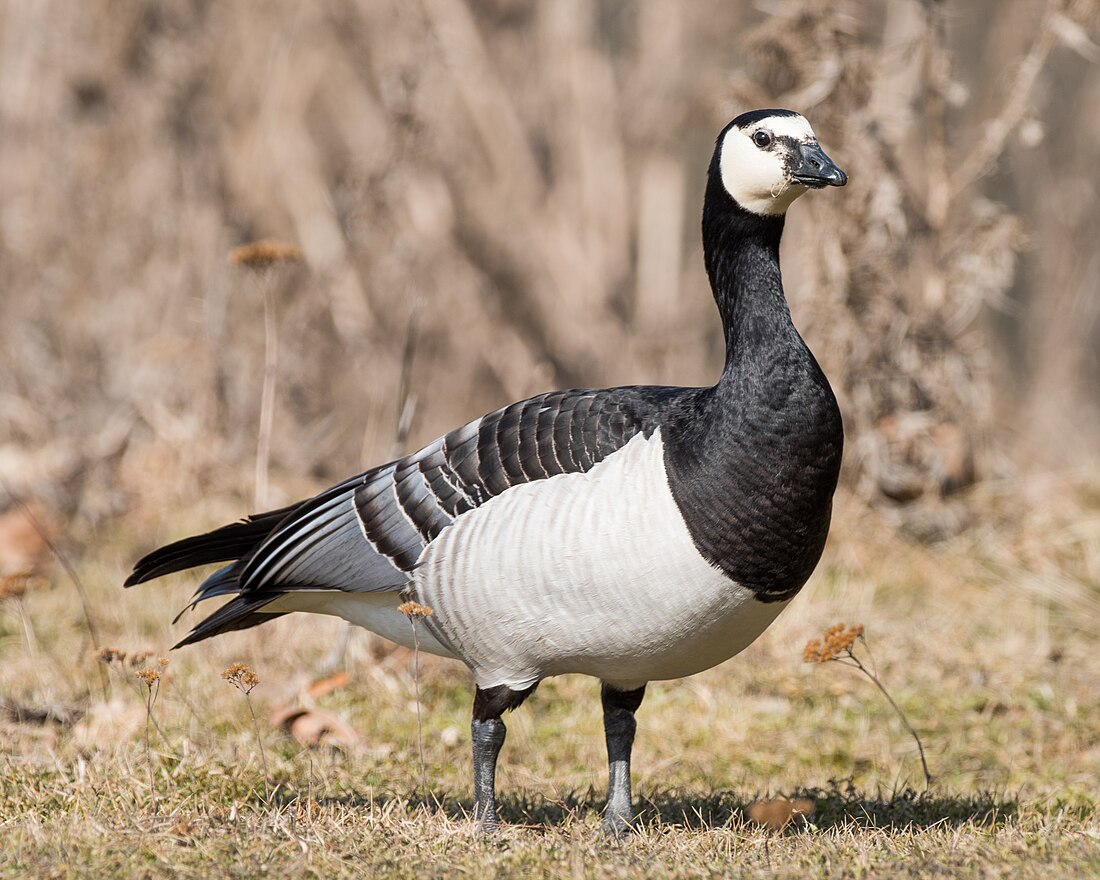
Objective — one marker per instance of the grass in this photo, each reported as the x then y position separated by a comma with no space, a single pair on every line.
998,679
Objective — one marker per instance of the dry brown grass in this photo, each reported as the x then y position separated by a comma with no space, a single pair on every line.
997,677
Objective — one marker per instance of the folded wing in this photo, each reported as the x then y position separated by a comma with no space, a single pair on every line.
367,533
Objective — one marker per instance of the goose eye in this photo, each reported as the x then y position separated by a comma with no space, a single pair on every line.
762,138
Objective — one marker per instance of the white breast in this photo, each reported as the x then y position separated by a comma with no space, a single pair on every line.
593,573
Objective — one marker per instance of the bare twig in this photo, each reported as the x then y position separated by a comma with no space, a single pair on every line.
261,258
983,158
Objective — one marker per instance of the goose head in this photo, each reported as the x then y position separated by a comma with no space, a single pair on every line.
768,158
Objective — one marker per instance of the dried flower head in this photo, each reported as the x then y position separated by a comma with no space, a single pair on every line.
110,655
241,677
139,658
837,643
162,662
415,609
260,255
149,676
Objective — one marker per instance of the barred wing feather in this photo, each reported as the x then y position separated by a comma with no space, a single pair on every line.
367,533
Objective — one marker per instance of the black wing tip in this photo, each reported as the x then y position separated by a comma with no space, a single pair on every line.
154,565
148,568
242,612
190,639
230,542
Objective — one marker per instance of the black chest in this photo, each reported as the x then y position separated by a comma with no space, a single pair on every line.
753,464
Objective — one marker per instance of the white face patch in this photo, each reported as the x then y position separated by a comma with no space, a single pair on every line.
757,177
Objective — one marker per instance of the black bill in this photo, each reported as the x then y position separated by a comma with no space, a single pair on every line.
817,170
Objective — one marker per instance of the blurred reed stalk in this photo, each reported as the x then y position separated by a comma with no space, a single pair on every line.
406,397
267,397
406,411
12,589
261,258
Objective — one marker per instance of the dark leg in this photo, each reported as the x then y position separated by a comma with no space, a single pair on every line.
619,726
487,731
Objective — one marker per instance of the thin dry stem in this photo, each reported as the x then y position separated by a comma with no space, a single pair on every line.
151,679
242,677
414,611
837,647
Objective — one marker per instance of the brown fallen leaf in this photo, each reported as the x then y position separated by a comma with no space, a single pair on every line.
23,549
777,813
184,832
316,727
322,687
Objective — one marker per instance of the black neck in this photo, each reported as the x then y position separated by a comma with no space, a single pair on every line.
753,461
741,251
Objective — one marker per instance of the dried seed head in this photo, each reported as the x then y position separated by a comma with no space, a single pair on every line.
234,670
260,255
162,662
838,642
415,609
138,658
149,676
241,677
110,655
308,810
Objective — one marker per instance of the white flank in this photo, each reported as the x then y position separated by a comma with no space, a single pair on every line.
757,178
593,573
374,611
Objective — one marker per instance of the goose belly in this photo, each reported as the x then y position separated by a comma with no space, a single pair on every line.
594,573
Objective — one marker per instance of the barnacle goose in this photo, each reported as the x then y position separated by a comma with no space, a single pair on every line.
631,534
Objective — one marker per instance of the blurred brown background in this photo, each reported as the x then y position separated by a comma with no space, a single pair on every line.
504,196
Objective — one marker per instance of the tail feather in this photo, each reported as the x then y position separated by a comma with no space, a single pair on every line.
238,613
234,543
224,581
317,544
221,545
